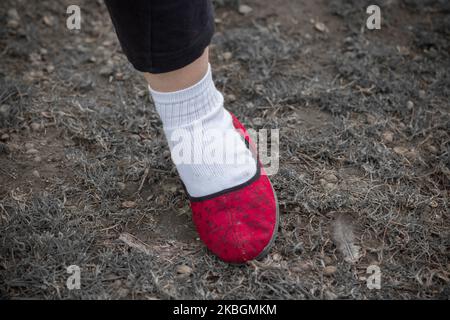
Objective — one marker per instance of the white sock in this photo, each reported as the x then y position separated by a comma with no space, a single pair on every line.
208,152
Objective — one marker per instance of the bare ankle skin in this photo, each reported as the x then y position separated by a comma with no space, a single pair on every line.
181,78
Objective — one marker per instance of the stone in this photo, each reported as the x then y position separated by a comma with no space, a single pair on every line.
244,9
184,269
329,270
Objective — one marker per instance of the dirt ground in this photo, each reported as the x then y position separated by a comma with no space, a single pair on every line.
364,178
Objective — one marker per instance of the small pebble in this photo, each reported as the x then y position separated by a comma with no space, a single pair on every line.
184,269
50,68
117,284
170,187
231,97
227,55
35,126
330,186
36,174
411,154
388,136
13,14
320,27
106,70
432,149
410,104
327,260
276,257
29,145
55,158
14,147
259,88
258,121
4,137
400,150
121,185
327,185
48,20
331,178
123,292
135,137
5,110
371,119
434,204
244,9
128,204
13,19
304,266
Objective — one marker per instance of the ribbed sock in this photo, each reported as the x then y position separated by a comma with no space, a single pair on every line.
208,152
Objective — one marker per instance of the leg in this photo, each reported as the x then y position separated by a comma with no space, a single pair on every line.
232,201
160,36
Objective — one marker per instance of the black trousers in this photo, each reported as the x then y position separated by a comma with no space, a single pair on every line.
162,35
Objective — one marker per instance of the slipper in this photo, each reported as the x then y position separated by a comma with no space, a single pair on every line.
239,224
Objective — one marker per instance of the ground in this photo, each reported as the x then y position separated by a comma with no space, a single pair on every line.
364,172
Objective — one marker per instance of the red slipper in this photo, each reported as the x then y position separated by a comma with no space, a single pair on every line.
239,224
